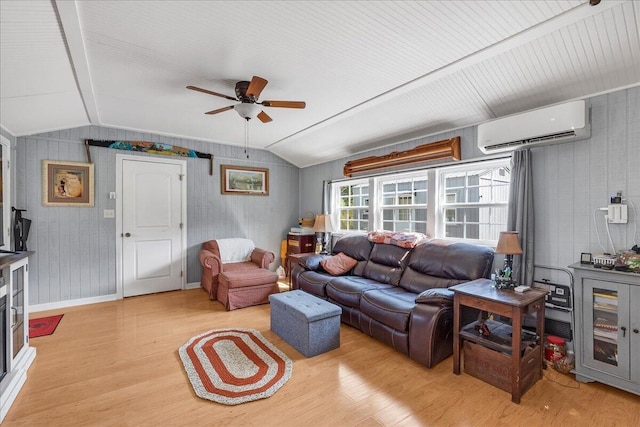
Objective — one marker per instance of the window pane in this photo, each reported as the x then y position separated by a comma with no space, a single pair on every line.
404,186
473,195
389,188
454,231
388,200
483,223
485,184
404,220
420,198
407,191
353,205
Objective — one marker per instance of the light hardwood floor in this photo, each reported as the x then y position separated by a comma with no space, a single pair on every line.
116,364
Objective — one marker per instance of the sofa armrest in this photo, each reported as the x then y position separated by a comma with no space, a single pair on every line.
312,261
262,258
211,261
436,296
431,333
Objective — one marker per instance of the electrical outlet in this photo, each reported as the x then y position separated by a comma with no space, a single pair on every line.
109,213
617,214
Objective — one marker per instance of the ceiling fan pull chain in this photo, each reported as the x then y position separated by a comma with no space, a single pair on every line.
246,137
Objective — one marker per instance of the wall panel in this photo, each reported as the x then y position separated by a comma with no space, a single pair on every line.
75,247
571,180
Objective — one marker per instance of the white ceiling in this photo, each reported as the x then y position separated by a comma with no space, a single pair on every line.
372,73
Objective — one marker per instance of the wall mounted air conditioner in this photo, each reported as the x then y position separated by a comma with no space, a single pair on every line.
550,125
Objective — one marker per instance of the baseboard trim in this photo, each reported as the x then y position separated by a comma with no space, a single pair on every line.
192,285
71,303
92,300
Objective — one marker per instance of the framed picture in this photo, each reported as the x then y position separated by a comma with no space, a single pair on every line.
243,180
67,183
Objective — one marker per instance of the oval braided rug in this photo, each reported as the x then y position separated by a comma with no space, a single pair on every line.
233,366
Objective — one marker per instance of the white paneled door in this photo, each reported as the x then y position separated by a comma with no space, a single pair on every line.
152,226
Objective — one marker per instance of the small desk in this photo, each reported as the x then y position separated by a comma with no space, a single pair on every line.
524,370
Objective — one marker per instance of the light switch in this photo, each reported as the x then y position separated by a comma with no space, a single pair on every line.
109,213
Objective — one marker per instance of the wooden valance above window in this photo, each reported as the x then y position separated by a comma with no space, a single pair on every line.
445,149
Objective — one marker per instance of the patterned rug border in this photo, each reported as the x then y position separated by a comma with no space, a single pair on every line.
237,390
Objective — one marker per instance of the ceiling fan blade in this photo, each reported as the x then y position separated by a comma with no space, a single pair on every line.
284,104
256,86
211,93
220,110
264,117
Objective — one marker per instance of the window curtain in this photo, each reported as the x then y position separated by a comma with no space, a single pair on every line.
326,197
520,216
326,210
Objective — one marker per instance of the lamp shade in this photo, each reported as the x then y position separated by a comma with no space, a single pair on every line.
508,243
322,224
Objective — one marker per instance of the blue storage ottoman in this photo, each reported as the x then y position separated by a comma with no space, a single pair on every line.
309,324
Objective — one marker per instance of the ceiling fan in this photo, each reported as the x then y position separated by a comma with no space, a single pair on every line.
248,93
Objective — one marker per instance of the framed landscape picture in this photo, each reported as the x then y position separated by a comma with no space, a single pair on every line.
67,183
245,180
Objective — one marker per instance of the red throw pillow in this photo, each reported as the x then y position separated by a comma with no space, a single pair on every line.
338,264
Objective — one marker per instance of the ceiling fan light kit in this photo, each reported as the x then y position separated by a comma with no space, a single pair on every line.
247,111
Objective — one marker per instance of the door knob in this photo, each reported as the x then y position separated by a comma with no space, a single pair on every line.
127,234
635,330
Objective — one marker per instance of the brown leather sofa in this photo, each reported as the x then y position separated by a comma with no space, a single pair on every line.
398,295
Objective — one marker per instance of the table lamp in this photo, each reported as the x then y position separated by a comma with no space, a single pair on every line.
324,226
509,246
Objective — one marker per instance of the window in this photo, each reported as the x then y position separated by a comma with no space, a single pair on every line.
475,200
466,202
352,205
403,203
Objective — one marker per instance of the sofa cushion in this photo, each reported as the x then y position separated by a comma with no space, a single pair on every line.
416,282
312,261
391,306
354,245
338,264
240,266
444,263
399,238
347,290
386,263
436,296
313,282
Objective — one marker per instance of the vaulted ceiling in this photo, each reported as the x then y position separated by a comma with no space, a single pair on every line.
372,73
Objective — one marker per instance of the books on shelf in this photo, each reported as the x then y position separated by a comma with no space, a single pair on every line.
605,328
605,301
605,333
302,230
602,323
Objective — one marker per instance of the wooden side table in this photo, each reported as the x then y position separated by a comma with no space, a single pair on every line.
293,259
299,244
507,357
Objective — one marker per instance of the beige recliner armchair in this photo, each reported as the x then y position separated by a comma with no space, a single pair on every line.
236,273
